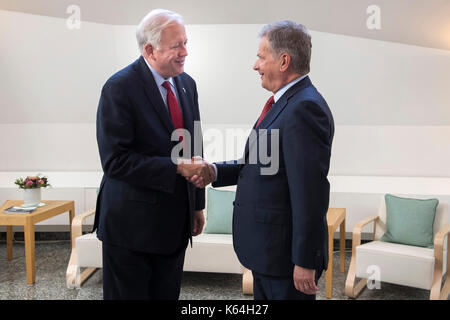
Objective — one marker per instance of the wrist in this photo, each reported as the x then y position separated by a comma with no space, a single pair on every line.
179,166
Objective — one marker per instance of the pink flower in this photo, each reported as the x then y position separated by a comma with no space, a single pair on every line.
40,182
29,183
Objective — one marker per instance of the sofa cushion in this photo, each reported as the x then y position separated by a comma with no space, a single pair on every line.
219,211
89,250
213,239
212,253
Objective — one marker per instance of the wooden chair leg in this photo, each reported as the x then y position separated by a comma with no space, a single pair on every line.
73,272
86,274
446,288
436,293
75,278
247,281
445,292
353,289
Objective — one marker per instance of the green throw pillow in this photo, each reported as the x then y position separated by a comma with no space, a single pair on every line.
410,221
219,211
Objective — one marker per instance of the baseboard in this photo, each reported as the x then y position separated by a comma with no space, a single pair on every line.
47,228
57,233
43,233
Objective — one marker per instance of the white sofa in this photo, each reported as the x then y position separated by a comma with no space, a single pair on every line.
209,253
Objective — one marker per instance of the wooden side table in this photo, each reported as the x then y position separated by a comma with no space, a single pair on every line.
52,208
335,219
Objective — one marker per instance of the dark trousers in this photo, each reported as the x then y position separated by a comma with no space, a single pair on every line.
278,288
133,275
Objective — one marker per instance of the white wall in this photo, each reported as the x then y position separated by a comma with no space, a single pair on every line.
389,100
47,74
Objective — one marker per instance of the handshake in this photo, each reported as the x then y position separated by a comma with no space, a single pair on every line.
199,172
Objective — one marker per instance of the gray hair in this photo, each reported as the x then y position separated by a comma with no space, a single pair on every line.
292,38
150,28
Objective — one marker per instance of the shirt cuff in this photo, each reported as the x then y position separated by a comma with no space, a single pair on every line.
215,170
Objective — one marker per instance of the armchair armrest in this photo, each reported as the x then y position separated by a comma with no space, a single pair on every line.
77,225
358,229
440,237
352,289
439,244
74,278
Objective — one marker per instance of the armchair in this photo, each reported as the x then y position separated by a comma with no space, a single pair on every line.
425,266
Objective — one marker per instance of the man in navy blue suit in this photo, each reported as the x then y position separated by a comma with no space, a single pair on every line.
279,220
146,209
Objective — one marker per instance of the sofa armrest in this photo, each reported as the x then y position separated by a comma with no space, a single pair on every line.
77,225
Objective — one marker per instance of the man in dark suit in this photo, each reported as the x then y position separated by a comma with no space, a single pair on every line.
146,209
279,220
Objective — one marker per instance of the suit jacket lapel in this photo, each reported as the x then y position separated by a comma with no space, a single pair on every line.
281,103
276,109
154,95
268,119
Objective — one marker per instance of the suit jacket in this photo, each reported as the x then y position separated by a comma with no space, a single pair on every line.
143,204
280,220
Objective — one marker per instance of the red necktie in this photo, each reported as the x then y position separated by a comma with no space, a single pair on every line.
266,109
174,109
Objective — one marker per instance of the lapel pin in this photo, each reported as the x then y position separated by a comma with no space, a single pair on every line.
184,90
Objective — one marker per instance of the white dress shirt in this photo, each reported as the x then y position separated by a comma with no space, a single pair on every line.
281,91
159,81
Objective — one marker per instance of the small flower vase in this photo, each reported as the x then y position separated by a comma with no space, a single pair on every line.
31,197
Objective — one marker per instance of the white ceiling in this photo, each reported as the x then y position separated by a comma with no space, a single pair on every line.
418,22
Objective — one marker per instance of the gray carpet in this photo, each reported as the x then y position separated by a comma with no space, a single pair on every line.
52,258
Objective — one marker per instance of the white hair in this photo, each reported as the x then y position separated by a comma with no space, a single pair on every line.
150,28
293,38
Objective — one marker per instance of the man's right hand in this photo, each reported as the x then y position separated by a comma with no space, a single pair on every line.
196,169
202,181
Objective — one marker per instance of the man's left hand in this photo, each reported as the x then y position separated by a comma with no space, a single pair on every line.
304,280
199,222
